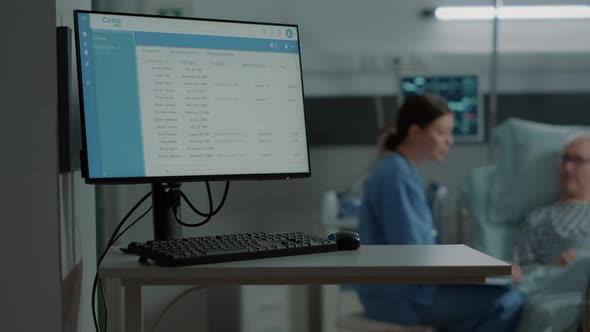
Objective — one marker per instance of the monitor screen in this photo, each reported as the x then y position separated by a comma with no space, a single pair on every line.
462,94
173,99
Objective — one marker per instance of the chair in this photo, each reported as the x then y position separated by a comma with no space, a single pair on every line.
348,315
357,322
499,196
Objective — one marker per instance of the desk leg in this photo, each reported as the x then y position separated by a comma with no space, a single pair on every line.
133,313
315,308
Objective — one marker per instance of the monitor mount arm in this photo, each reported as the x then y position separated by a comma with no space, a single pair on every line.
165,196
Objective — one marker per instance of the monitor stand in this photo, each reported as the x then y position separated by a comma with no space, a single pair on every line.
165,225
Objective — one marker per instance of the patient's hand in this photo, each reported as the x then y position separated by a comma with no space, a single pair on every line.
565,258
517,274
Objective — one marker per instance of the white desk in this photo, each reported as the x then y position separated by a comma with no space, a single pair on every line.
368,265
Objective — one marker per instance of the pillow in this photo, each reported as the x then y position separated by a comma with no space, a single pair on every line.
527,173
496,239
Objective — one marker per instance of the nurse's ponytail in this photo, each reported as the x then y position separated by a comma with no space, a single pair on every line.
419,110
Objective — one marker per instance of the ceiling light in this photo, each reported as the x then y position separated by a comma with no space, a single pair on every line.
465,13
450,13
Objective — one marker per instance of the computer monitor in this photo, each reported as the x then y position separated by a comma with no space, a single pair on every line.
169,100
462,94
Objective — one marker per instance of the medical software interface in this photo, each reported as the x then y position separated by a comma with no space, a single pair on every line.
178,97
461,92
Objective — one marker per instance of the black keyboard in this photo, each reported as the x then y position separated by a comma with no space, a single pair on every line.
225,248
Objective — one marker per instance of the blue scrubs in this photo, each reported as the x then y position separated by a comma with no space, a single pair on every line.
395,211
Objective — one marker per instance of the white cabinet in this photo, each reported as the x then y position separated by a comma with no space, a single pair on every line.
265,309
249,309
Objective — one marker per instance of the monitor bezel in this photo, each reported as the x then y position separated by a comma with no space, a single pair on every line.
482,114
181,178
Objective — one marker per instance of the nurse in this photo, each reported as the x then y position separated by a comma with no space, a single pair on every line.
395,211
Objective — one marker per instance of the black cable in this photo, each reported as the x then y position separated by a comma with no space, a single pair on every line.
116,235
175,210
178,220
132,224
202,214
104,304
104,300
109,244
96,327
226,190
111,241
211,211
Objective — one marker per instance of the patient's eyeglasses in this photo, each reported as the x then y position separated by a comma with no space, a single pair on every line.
576,160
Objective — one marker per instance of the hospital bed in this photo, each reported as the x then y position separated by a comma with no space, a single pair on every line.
499,196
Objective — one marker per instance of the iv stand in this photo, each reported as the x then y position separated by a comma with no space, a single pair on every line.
493,83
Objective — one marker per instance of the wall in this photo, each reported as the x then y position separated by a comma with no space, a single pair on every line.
78,250
31,294
45,214
77,215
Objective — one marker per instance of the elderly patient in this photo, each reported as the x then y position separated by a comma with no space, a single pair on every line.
547,258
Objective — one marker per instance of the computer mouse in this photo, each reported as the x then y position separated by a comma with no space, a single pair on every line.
346,240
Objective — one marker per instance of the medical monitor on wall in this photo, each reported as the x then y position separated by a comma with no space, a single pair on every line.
176,99
462,94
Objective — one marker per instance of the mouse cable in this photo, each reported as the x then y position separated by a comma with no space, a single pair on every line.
110,243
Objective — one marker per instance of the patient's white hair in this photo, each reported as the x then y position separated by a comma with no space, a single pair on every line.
580,135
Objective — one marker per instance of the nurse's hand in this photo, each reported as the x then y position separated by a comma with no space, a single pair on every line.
517,274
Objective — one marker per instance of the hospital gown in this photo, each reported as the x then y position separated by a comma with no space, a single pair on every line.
554,293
